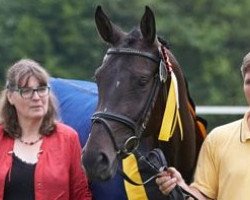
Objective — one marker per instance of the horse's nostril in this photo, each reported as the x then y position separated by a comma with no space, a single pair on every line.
101,157
95,162
102,160
98,165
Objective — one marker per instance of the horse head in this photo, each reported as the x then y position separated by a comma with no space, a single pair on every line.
131,99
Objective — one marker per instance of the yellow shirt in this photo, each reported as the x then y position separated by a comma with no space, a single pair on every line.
223,168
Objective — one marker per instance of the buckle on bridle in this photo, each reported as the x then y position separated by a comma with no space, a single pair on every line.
130,145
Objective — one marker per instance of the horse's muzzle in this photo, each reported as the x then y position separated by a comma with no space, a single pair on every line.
98,166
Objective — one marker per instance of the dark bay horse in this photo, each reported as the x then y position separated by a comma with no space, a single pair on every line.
134,84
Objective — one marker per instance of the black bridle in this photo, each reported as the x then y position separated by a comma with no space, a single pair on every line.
138,126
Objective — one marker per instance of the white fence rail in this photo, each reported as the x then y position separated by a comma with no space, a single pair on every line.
221,110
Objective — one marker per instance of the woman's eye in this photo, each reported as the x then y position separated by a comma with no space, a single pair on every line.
26,90
247,82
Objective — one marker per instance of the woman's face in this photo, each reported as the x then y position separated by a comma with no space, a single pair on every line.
33,108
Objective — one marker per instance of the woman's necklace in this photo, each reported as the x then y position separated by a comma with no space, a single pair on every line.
32,142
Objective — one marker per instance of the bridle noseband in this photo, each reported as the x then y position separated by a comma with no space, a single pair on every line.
102,118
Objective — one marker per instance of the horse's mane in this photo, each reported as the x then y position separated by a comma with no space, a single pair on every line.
164,42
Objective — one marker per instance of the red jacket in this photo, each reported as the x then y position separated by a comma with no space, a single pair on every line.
58,172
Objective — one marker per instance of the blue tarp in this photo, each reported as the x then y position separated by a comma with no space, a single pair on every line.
77,102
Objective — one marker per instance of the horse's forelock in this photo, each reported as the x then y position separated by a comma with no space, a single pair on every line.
135,33
132,37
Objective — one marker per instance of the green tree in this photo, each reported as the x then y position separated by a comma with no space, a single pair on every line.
208,38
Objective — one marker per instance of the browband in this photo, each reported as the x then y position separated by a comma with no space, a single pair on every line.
130,51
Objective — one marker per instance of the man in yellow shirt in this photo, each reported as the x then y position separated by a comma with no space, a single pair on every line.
223,168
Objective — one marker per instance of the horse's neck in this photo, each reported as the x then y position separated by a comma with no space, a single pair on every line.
154,123
156,117
157,113
184,108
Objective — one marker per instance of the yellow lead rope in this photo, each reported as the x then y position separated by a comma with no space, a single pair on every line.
130,167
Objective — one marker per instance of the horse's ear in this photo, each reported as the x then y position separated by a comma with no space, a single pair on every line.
148,26
108,31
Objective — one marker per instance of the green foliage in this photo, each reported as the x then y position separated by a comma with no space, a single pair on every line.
208,38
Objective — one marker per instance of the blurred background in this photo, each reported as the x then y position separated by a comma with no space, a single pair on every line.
208,38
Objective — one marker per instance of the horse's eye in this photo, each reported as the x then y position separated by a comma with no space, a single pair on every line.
143,81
